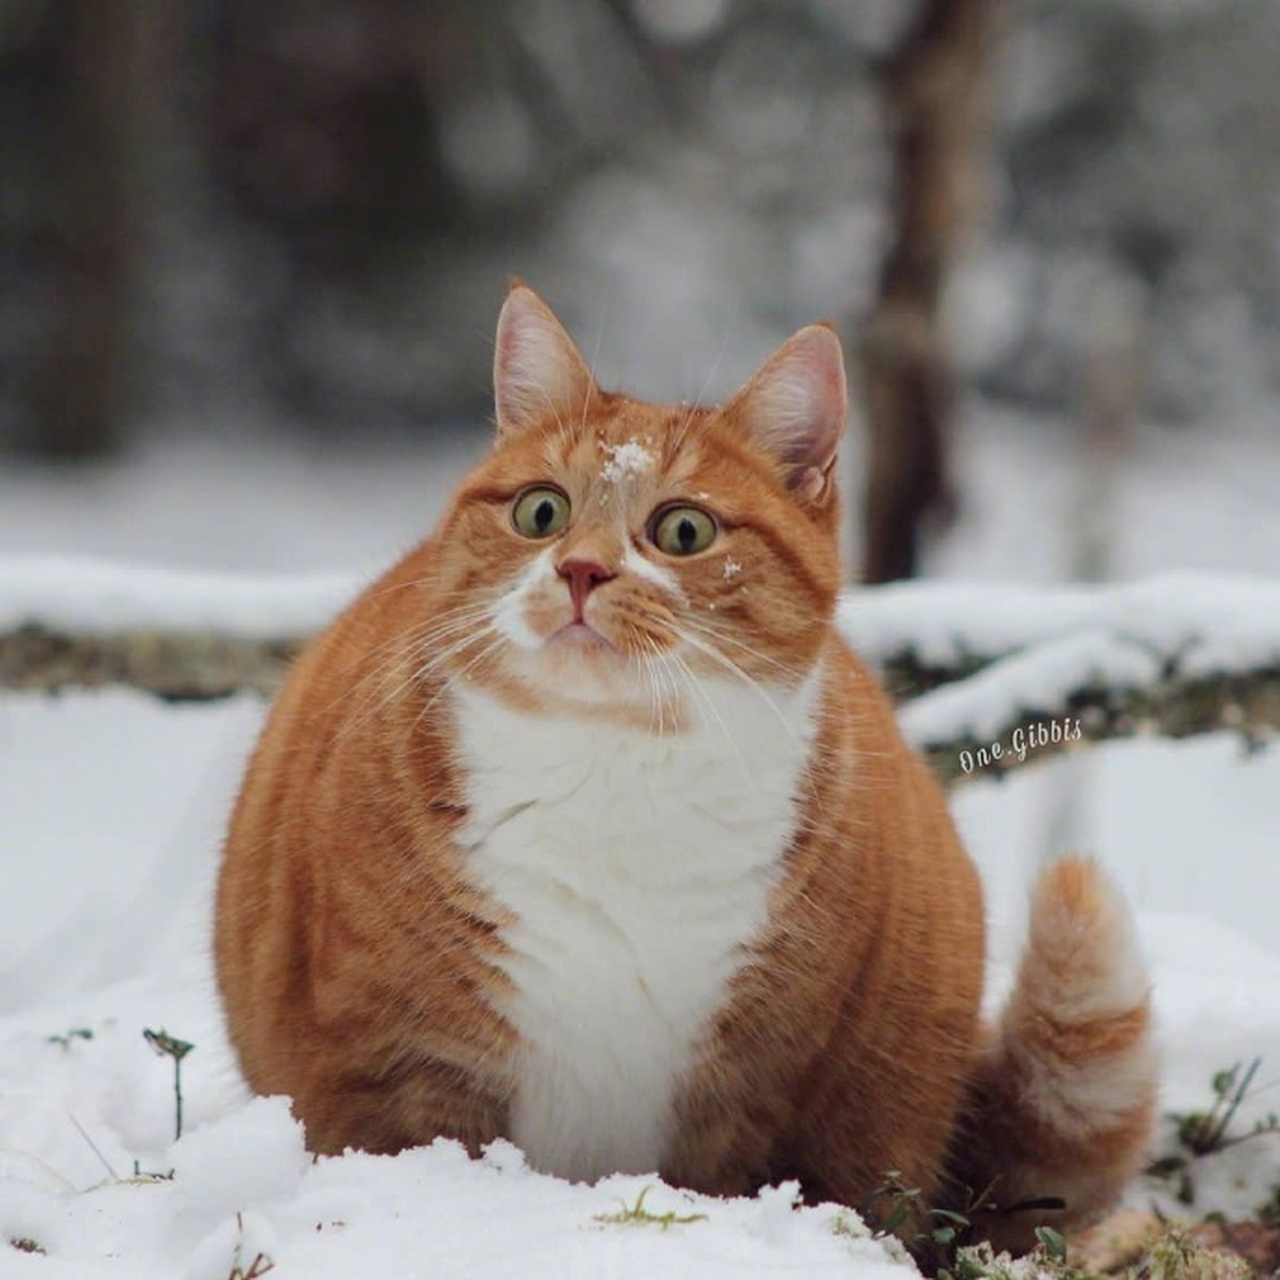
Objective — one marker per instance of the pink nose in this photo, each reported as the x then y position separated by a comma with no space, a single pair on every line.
583,576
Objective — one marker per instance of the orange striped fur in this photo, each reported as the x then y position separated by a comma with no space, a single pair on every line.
578,829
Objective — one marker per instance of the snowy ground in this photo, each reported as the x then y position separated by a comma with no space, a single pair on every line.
111,808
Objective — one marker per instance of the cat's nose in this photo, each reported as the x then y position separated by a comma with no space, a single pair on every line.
583,576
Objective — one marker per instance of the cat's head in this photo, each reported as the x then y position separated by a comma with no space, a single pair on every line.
611,556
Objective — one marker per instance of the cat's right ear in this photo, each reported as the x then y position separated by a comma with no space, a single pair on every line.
793,409
537,371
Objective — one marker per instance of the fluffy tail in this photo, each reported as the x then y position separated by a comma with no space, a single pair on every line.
1061,1101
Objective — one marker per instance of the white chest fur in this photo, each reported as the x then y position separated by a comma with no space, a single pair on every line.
637,868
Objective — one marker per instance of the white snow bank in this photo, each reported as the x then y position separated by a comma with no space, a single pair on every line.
77,1112
96,596
242,1185
1042,677
1044,643
1215,621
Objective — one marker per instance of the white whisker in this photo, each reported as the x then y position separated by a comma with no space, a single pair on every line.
463,626
718,635
754,685
702,694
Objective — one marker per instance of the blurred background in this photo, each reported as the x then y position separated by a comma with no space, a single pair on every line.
288,225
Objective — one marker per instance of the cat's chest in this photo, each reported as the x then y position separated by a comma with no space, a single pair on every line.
636,869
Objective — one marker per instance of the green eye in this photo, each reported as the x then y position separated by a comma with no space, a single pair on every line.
540,512
683,531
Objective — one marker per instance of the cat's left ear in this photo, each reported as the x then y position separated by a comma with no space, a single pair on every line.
793,409
537,371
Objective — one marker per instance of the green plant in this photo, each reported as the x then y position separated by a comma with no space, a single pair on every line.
637,1213
75,1033
1201,1133
1175,1256
170,1046
1204,1132
1053,1244
1268,1212
940,1233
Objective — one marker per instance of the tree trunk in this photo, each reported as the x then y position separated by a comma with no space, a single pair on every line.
932,90
108,91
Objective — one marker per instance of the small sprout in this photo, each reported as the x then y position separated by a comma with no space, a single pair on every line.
637,1213
942,1230
75,1033
1052,1243
1204,1132
162,1042
170,1046
1268,1212
25,1244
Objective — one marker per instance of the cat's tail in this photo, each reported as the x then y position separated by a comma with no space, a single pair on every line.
1061,1100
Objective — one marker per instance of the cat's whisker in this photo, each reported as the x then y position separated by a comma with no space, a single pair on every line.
753,684
701,693
649,666
469,630
720,636
496,640
425,632
647,661
789,672
682,431
591,383
391,587
467,621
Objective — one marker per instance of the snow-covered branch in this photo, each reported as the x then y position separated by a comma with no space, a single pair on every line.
178,666
989,676
182,636
992,676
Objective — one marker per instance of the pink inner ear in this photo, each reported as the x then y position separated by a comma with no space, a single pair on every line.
536,368
794,406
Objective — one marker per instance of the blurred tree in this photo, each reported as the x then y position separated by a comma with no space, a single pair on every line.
109,68
932,90
324,113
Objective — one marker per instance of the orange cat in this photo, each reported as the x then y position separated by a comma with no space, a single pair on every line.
582,827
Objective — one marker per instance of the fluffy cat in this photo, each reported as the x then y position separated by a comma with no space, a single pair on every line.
583,827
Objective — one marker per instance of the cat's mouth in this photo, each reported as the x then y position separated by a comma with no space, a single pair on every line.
580,634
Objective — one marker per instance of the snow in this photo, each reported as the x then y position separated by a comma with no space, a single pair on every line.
112,807
84,594
75,1116
632,458
240,1183
1214,621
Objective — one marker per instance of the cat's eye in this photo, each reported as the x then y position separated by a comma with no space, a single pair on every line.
540,512
683,531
